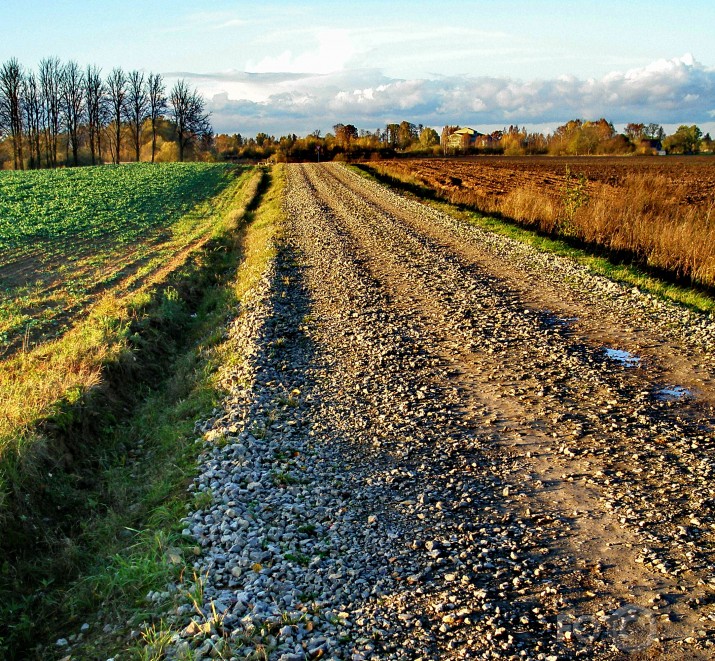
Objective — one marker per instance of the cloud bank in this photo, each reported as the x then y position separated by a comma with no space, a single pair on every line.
679,90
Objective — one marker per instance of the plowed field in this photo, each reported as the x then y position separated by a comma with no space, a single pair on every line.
693,178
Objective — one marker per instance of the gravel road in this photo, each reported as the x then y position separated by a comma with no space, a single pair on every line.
428,452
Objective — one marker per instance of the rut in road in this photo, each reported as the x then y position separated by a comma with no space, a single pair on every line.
602,490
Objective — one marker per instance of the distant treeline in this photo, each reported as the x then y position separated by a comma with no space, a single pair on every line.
64,114
576,137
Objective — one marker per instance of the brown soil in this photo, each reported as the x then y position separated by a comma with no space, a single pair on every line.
498,175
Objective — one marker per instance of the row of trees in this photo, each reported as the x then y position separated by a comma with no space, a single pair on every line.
576,137
63,106
579,137
63,115
345,141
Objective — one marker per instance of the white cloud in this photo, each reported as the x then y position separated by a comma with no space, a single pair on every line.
331,53
680,90
231,23
201,21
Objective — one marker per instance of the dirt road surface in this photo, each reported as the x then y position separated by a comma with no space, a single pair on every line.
470,474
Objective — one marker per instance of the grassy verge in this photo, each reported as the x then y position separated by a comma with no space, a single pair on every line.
108,530
32,380
691,297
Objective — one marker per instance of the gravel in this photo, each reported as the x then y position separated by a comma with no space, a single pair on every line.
413,463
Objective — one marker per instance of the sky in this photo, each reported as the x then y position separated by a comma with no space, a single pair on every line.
295,67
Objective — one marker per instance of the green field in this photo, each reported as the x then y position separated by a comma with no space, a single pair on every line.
66,236
41,209
76,245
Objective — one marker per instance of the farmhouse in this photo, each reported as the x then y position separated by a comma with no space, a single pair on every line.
649,146
463,138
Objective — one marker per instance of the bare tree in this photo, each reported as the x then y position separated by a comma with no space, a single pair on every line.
156,92
73,103
50,75
32,109
187,109
117,89
11,88
136,108
95,98
105,119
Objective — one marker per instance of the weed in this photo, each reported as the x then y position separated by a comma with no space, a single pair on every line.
283,479
291,620
258,431
195,593
203,499
221,440
297,557
291,400
156,642
574,195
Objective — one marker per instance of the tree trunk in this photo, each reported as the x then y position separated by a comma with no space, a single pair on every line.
91,146
118,138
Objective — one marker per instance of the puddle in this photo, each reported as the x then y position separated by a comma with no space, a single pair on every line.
626,358
552,321
673,393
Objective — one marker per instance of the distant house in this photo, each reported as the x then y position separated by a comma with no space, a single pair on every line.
490,141
649,146
462,139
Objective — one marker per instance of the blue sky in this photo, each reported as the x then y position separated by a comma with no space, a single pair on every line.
298,66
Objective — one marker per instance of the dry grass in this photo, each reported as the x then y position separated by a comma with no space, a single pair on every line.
31,381
531,208
649,220
645,216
